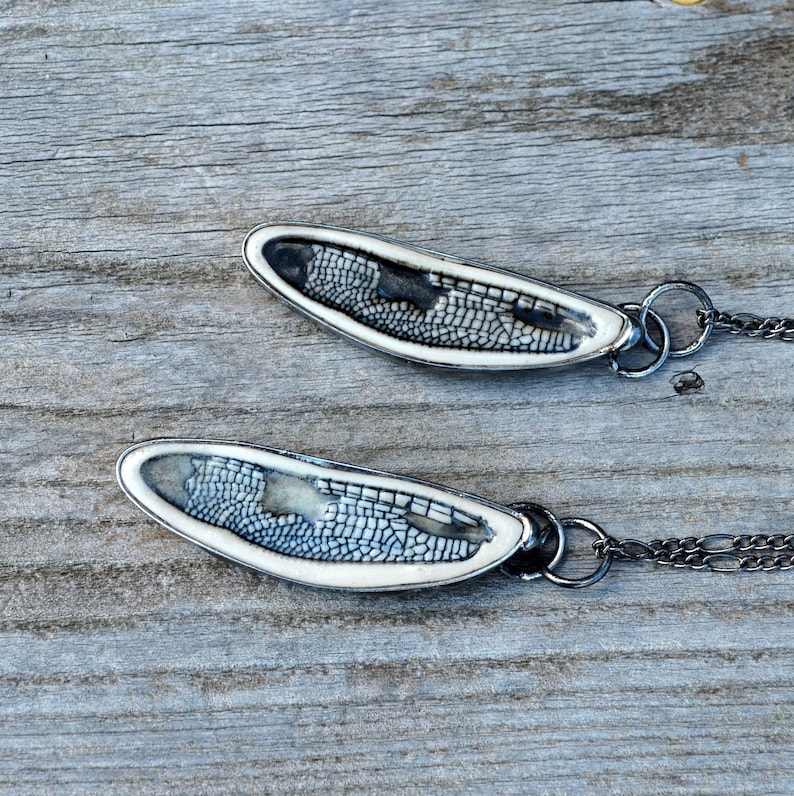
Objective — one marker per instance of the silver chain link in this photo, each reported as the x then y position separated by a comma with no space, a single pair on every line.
747,324
709,319
718,552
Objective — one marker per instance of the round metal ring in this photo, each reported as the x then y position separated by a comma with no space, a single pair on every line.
589,580
688,287
662,352
553,525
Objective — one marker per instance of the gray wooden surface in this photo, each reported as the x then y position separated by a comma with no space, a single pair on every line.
603,146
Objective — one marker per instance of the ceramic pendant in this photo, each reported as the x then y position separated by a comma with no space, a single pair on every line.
317,522
427,307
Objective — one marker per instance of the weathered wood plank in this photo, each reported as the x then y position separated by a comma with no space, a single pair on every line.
603,146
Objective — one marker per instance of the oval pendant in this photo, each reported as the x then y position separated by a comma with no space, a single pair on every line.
318,522
427,307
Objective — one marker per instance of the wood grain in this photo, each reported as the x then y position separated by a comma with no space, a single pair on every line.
602,146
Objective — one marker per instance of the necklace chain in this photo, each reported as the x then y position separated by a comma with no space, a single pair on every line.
747,324
718,552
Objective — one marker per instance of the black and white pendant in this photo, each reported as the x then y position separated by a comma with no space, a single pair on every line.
427,307
318,522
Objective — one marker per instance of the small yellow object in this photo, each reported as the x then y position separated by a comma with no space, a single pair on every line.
687,2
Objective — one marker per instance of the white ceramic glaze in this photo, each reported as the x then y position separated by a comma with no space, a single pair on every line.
427,307
318,522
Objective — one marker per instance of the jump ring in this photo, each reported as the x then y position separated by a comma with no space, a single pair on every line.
513,567
589,580
707,306
662,351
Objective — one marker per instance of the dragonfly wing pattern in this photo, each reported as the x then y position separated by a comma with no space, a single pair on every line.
427,307
324,519
258,505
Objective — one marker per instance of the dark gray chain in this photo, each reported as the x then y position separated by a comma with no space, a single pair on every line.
747,324
719,552
709,320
